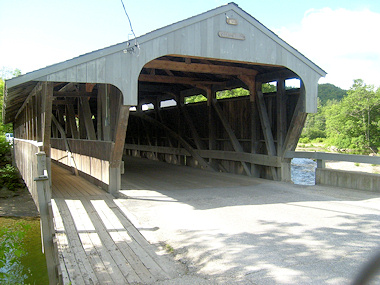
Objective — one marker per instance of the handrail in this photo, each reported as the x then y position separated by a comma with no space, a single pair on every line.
323,156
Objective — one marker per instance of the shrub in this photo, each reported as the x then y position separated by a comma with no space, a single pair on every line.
5,151
9,177
304,140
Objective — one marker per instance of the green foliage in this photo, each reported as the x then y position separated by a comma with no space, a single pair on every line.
236,92
268,88
5,149
330,92
9,177
195,99
11,250
315,125
8,127
354,122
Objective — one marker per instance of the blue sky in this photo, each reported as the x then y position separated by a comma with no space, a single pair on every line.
339,36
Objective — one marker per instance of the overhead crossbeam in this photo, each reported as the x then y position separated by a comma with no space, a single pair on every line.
199,68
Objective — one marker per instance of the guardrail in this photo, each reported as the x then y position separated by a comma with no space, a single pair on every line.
342,178
321,157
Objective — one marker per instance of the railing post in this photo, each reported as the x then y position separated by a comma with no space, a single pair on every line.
46,218
321,163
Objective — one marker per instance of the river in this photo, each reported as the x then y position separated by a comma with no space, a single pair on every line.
303,171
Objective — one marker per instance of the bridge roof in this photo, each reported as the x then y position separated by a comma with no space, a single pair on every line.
226,36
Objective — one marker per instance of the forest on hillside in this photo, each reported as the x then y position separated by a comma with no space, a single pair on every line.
349,120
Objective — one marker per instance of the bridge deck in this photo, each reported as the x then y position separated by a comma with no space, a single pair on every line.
97,244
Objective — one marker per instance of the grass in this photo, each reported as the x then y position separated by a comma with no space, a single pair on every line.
169,248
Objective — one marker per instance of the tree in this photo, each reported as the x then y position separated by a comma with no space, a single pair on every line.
330,92
315,126
354,122
5,73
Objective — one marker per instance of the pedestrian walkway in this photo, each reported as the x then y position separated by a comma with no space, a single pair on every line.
97,244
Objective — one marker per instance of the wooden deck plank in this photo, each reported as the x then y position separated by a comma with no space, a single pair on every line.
122,262
102,263
122,239
70,246
97,243
142,248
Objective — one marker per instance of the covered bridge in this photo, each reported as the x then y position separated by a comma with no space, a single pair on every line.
133,99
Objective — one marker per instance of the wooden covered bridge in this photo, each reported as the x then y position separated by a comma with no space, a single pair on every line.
132,99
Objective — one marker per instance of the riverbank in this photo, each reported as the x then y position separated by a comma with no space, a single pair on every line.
19,205
339,165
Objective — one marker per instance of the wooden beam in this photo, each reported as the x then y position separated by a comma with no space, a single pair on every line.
197,139
47,94
276,75
174,79
296,125
71,120
281,115
99,116
103,92
67,146
88,119
117,150
34,91
185,144
121,130
235,143
199,68
265,124
82,122
74,94
260,159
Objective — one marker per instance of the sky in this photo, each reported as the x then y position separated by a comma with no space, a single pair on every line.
340,36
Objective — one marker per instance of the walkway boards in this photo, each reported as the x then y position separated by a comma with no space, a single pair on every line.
97,244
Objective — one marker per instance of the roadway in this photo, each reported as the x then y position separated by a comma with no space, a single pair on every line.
238,230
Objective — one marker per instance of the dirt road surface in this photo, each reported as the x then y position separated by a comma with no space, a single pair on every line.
240,230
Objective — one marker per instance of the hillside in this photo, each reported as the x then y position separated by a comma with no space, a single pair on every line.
328,91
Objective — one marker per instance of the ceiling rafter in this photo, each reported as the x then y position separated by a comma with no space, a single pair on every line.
200,68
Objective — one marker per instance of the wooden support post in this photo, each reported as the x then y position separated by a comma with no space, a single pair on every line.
82,122
255,131
197,139
71,120
46,220
88,119
105,119
211,122
296,124
117,150
115,101
183,142
235,143
68,151
99,131
47,97
284,173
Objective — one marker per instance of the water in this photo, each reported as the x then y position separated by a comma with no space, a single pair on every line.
30,267
303,171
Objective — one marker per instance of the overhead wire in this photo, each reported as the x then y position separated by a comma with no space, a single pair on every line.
130,49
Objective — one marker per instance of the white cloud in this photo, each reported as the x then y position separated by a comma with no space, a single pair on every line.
342,42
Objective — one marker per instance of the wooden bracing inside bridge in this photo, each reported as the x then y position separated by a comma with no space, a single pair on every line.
245,135
91,129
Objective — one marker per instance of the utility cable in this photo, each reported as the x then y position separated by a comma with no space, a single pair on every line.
129,20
